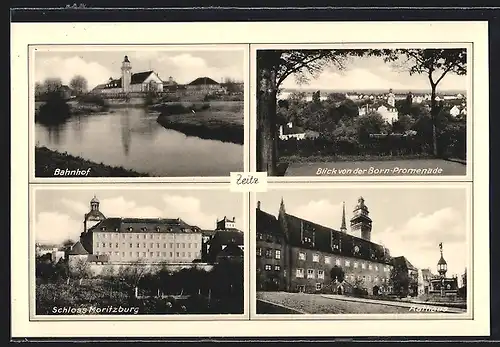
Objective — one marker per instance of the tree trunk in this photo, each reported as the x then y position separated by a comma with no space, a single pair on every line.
434,113
266,113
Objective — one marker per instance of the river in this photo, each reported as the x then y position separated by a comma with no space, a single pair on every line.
132,138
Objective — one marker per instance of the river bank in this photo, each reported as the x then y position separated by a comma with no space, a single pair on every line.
47,161
222,121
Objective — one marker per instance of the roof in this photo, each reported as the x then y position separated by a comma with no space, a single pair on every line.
267,223
325,237
95,213
441,261
77,249
202,81
228,236
135,225
94,200
402,260
98,258
231,250
140,77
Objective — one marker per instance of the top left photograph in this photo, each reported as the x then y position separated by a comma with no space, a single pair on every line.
141,111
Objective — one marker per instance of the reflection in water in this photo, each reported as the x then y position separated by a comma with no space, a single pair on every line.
125,130
131,138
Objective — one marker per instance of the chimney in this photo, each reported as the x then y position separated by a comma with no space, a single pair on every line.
234,218
258,205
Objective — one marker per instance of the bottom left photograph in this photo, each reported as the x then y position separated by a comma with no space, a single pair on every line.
111,250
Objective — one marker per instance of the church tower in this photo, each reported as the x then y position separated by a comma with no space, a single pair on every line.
361,223
126,74
343,227
94,216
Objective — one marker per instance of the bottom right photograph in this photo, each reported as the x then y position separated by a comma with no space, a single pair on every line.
399,248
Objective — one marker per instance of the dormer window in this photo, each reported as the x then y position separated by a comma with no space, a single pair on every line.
130,229
157,229
144,229
103,228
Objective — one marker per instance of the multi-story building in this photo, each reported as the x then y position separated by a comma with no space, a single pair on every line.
140,239
225,242
294,254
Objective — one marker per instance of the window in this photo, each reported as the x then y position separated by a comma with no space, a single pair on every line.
319,286
259,251
104,244
316,257
355,265
189,245
189,254
123,254
150,236
376,268
176,254
110,245
138,236
103,228
277,254
310,273
144,245
369,278
138,254
347,263
195,245
151,254
183,245
376,279
259,236
157,245
269,253
123,236
129,229
177,245
363,265
337,262
171,254
277,268
268,267
370,267
302,256
183,254
321,274
144,254
299,273
171,245
131,245
352,277
150,245
144,236
327,260
157,254
117,253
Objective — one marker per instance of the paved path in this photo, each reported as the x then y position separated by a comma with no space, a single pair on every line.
434,167
412,307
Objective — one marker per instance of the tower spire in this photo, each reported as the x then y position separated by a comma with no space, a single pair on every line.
343,226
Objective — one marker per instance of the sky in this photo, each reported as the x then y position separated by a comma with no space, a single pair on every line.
98,66
59,213
409,221
371,73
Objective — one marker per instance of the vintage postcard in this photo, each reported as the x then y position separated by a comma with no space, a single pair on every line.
137,111
354,251
136,252
326,179
353,110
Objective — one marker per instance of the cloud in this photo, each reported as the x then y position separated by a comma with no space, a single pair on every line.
67,68
322,212
55,227
418,239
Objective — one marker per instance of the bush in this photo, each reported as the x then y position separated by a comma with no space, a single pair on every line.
93,99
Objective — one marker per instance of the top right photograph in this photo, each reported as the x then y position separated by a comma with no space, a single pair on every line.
362,112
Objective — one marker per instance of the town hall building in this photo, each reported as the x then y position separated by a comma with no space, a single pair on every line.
297,255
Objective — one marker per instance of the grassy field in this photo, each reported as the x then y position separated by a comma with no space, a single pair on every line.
47,161
317,304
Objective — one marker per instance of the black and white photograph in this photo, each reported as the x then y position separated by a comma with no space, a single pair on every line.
139,111
363,250
137,252
362,112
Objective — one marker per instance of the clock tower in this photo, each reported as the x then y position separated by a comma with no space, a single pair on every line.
361,223
126,75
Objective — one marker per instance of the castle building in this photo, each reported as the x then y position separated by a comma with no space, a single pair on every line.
139,82
133,239
226,242
297,255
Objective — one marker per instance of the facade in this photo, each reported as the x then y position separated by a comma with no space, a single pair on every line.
410,271
297,255
150,240
389,113
140,82
291,131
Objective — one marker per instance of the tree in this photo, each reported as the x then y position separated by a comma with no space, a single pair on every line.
80,270
433,63
68,243
399,280
39,89
51,85
273,67
79,84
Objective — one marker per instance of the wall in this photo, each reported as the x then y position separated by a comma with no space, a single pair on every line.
113,269
352,271
266,277
129,246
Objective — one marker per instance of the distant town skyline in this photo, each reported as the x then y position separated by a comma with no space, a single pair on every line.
408,221
59,213
97,67
372,73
